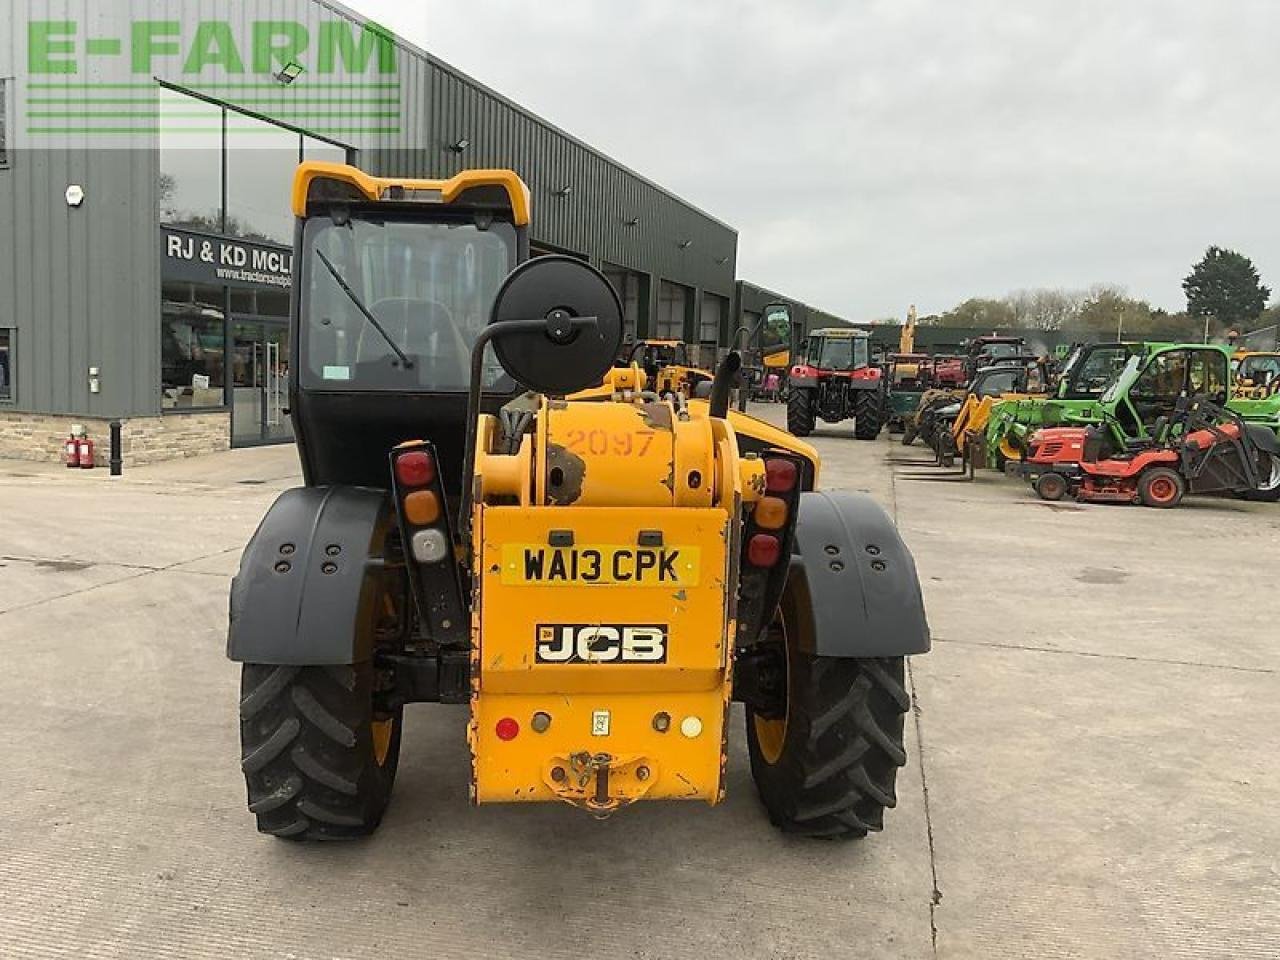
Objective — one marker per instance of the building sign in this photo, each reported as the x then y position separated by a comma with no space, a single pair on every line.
188,257
87,69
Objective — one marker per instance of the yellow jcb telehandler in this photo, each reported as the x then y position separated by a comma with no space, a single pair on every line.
668,369
596,580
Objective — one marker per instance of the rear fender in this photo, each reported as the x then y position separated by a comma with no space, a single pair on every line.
857,580
1263,439
302,595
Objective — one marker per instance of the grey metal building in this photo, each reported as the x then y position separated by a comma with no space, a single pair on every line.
145,167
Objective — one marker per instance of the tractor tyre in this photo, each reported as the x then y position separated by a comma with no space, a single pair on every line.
868,413
318,762
1269,492
800,415
1051,486
1161,487
827,767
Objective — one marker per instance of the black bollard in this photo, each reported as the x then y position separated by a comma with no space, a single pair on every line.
117,462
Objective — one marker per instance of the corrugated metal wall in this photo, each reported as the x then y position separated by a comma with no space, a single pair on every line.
750,301
82,287
672,240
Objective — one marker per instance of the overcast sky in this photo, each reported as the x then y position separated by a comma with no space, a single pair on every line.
875,153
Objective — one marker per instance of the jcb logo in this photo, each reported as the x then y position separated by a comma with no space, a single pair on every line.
601,643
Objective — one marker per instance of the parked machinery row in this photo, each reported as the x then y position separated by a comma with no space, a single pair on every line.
1119,422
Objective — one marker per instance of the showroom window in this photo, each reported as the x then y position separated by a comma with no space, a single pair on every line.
193,333
190,163
6,365
261,160
225,172
313,149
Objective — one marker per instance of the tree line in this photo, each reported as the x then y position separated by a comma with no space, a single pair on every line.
1224,294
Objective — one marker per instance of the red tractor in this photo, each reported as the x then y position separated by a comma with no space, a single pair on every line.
979,352
1203,448
833,379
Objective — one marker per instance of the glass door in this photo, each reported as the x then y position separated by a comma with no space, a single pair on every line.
260,388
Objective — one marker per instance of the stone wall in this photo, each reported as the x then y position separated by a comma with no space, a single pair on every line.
38,436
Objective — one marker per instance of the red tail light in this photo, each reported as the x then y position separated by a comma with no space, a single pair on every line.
780,475
763,550
415,468
507,728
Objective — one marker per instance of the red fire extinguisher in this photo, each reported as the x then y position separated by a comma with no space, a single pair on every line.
71,451
84,452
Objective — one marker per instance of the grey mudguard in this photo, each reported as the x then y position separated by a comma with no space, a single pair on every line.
1264,439
302,596
860,579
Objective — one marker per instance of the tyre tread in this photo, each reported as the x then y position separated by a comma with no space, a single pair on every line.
307,753
836,774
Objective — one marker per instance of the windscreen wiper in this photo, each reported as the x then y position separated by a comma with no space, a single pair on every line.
368,314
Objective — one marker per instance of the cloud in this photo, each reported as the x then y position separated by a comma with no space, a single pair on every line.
875,154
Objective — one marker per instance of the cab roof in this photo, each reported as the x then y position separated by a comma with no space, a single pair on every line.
362,186
836,333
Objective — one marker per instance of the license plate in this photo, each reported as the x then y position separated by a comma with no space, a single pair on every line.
588,565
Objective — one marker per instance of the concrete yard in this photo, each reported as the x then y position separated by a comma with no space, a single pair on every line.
1094,768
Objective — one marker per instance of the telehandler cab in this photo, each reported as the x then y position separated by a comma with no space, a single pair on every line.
596,579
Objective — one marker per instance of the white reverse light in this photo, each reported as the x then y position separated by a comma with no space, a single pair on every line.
429,546
691,727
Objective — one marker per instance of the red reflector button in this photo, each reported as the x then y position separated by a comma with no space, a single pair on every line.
507,728
780,475
415,469
763,550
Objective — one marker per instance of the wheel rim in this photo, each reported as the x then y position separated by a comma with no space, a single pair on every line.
382,730
1273,481
1162,489
771,734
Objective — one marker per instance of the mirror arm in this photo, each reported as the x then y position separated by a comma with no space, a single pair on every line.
722,385
558,327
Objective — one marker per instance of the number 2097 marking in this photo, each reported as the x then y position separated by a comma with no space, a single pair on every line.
598,442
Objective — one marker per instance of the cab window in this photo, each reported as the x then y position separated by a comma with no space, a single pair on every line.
1163,380
1035,380
1260,370
994,384
1092,377
1208,375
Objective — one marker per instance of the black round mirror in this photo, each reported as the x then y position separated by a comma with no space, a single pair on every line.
581,331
